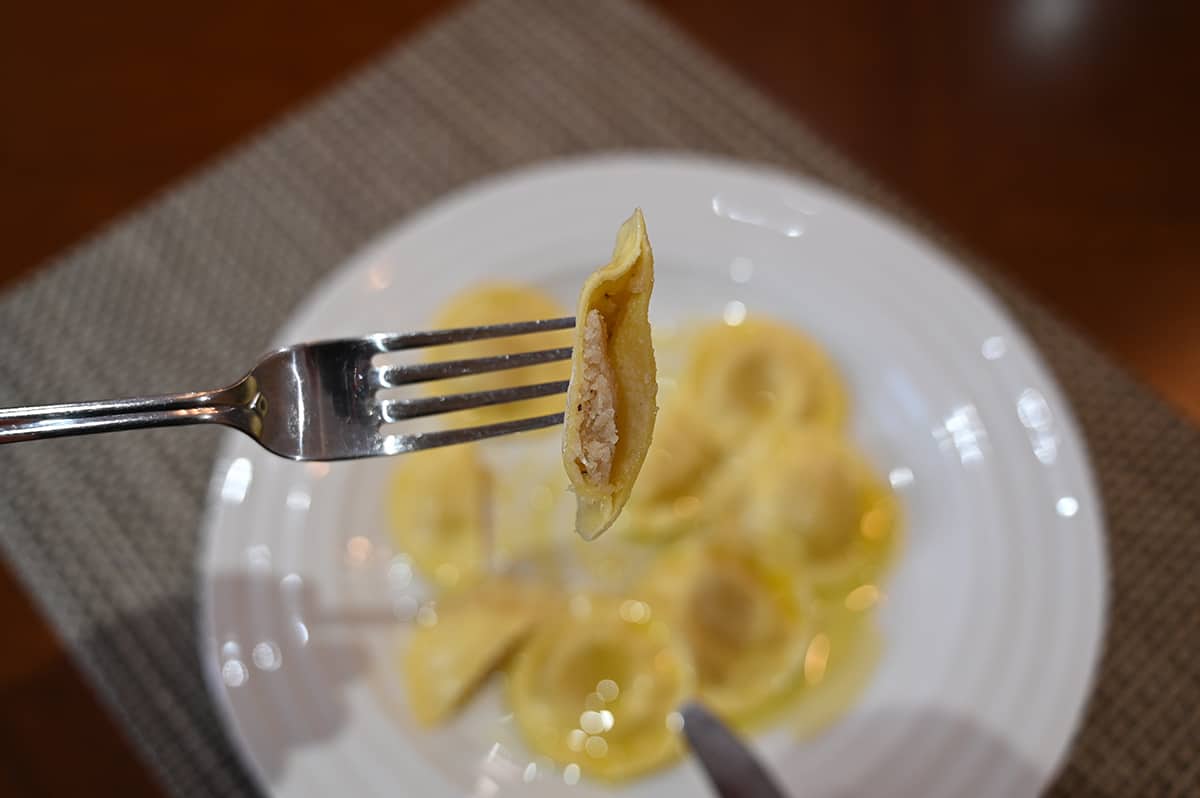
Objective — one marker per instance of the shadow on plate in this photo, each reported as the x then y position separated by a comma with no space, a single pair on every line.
286,643
147,664
930,752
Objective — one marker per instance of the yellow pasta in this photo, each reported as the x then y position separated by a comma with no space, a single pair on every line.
438,508
673,495
611,403
813,502
599,687
458,643
760,375
530,508
744,620
838,663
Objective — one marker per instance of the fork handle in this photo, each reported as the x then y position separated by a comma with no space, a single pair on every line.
225,406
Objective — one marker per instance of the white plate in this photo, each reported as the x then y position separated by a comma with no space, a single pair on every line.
996,607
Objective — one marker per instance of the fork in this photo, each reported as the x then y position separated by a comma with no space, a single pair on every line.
320,401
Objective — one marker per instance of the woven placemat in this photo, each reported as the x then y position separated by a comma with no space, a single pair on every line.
103,530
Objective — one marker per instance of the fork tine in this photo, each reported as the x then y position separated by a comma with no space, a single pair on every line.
396,375
416,441
393,342
400,409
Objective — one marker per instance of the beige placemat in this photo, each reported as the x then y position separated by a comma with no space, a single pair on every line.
103,530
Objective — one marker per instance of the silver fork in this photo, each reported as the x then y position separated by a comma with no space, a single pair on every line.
319,401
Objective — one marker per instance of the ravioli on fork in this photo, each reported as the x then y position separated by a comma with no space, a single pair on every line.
611,403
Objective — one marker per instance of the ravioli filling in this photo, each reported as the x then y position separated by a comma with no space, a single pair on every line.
597,442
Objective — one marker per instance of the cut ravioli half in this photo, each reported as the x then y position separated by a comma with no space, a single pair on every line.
459,642
599,685
611,402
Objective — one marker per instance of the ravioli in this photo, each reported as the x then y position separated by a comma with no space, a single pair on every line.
673,497
744,621
759,375
438,508
611,403
464,641
530,506
497,303
814,502
599,687
838,663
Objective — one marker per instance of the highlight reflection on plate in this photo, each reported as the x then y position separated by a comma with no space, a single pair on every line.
994,611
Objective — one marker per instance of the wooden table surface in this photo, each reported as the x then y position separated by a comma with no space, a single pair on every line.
1056,138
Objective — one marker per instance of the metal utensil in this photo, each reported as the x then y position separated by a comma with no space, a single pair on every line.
319,401
733,770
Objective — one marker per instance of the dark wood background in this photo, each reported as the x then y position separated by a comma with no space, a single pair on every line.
1056,138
